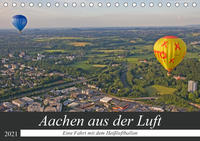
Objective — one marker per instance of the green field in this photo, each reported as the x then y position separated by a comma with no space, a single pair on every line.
58,50
162,90
192,55
80,44
109,51
133,60
99,66
97,55
83,65
61,38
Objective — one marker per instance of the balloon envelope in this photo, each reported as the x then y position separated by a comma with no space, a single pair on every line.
170,51
19,21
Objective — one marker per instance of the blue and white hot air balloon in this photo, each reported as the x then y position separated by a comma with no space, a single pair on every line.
19,21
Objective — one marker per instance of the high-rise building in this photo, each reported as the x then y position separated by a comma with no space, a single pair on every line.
192,86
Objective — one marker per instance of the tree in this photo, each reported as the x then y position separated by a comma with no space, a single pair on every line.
191,96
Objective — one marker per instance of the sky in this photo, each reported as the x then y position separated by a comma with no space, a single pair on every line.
69,17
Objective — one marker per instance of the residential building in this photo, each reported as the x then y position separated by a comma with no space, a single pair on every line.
115,65
157,109
66,102
70,57
100,109
50,101
3,60
79,95
179,77
10,55
22,54
18,102
8,105
7,66
85,105
9,110
143,61
87,91
2,108
58,106
92,86
73,105
192,86
27,100
14,66
77,110
35,107
40,56
50,109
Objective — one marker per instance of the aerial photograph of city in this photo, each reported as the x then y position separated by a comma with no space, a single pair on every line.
102,60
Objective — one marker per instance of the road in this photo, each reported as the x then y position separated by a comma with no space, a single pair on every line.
133,99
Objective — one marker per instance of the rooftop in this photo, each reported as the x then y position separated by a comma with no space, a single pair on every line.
106,99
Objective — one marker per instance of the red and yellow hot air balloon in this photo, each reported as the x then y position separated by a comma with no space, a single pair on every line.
170,51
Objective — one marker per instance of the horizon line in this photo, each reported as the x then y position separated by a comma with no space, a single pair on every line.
34,28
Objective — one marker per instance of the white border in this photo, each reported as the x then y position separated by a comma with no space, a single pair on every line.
115,133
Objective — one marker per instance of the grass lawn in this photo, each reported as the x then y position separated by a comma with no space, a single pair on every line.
99,66
162,90
80,44
58,50
61,38
97,55
192,55
132,60
83,65
109,51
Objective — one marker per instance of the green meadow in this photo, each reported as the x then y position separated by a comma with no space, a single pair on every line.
161,90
